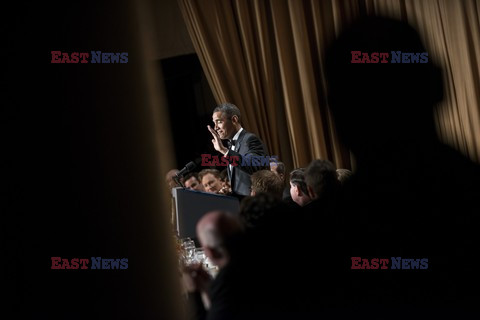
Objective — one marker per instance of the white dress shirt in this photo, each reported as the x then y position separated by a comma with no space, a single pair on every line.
232,147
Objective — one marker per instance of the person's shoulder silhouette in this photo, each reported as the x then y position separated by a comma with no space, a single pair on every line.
411,195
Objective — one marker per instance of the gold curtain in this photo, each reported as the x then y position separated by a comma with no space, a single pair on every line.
266,57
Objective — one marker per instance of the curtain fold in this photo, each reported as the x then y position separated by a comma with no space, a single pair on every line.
267,58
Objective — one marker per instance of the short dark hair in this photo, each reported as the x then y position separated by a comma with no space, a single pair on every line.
257,211
297,178
229,109
268,182
321,176
191,174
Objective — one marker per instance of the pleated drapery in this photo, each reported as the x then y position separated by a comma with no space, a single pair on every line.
267,58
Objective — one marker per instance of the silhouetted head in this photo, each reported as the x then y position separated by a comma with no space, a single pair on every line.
217,232
379,104
258,210
321,179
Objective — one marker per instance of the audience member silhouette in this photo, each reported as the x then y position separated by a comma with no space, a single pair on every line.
411,196
259,209
323,186
321,180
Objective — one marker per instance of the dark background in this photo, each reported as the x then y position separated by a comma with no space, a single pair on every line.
79,176
190,103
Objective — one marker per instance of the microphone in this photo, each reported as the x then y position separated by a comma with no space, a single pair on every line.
188,167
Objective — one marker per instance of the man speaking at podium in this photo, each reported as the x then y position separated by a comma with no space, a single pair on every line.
242,144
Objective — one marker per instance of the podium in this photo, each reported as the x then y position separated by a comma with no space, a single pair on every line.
191,205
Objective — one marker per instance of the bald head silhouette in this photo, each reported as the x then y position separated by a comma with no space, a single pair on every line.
216,232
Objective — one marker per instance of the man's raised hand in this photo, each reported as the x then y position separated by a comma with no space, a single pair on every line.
217,142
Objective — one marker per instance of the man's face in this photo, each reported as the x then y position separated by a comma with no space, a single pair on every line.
223,126
193,184
211,183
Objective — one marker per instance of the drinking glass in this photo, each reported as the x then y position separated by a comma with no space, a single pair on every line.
188,246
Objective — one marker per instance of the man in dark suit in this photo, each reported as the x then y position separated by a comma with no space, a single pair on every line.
242,145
